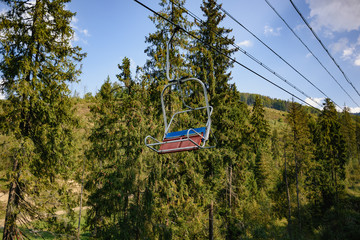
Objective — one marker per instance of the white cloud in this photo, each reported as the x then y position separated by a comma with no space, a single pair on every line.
349,51
245,43
74,20
308,55
312,101
340,45
269,31
354,110
328,34
299,27
85,32
336,15
320,102
80,34
357,61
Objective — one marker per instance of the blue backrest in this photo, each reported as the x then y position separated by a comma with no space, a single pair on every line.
184,132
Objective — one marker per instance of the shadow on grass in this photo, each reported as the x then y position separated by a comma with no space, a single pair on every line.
340,221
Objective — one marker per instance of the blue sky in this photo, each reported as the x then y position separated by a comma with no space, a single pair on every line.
112,29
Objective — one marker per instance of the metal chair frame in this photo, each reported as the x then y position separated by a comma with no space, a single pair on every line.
190,132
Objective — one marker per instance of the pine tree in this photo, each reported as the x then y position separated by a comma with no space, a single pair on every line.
299,150
211,66
180,196
260,134
125,74
232,123
288,196
155,67
357,137
120,198
330,155
37,62
347,129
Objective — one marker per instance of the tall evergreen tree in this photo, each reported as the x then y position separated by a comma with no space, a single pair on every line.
155,67
260,134
330,155
357,136
299,149
347,129
214,69
37,62
210,65
125,74
232,124
179,195
119,197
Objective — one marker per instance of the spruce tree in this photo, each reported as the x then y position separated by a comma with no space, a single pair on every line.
181,192
330,155
211,66
348,129
37,62
155,66
357,137
299,150
260,133
120,197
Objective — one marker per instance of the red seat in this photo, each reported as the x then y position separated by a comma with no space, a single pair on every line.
186,145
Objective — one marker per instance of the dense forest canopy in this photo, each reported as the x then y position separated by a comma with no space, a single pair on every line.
289,173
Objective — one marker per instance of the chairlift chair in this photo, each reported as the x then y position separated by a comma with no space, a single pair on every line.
184,140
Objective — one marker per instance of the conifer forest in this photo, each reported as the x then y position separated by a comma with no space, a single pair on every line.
78,168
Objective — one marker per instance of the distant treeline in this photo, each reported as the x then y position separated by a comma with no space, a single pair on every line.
278,104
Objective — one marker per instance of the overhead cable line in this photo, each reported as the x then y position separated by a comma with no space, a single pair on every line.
297,36
275,73
287,63
237,47
220,52
326,50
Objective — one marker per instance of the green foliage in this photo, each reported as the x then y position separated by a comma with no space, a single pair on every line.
272,175
341,221
330,155
347,130
260,133
37,62
117,181
278,104
209,65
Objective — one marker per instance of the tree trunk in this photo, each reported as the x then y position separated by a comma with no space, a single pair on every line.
297,191
288,198
230,185
228,218
211,221
81,197
10,228
297,175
